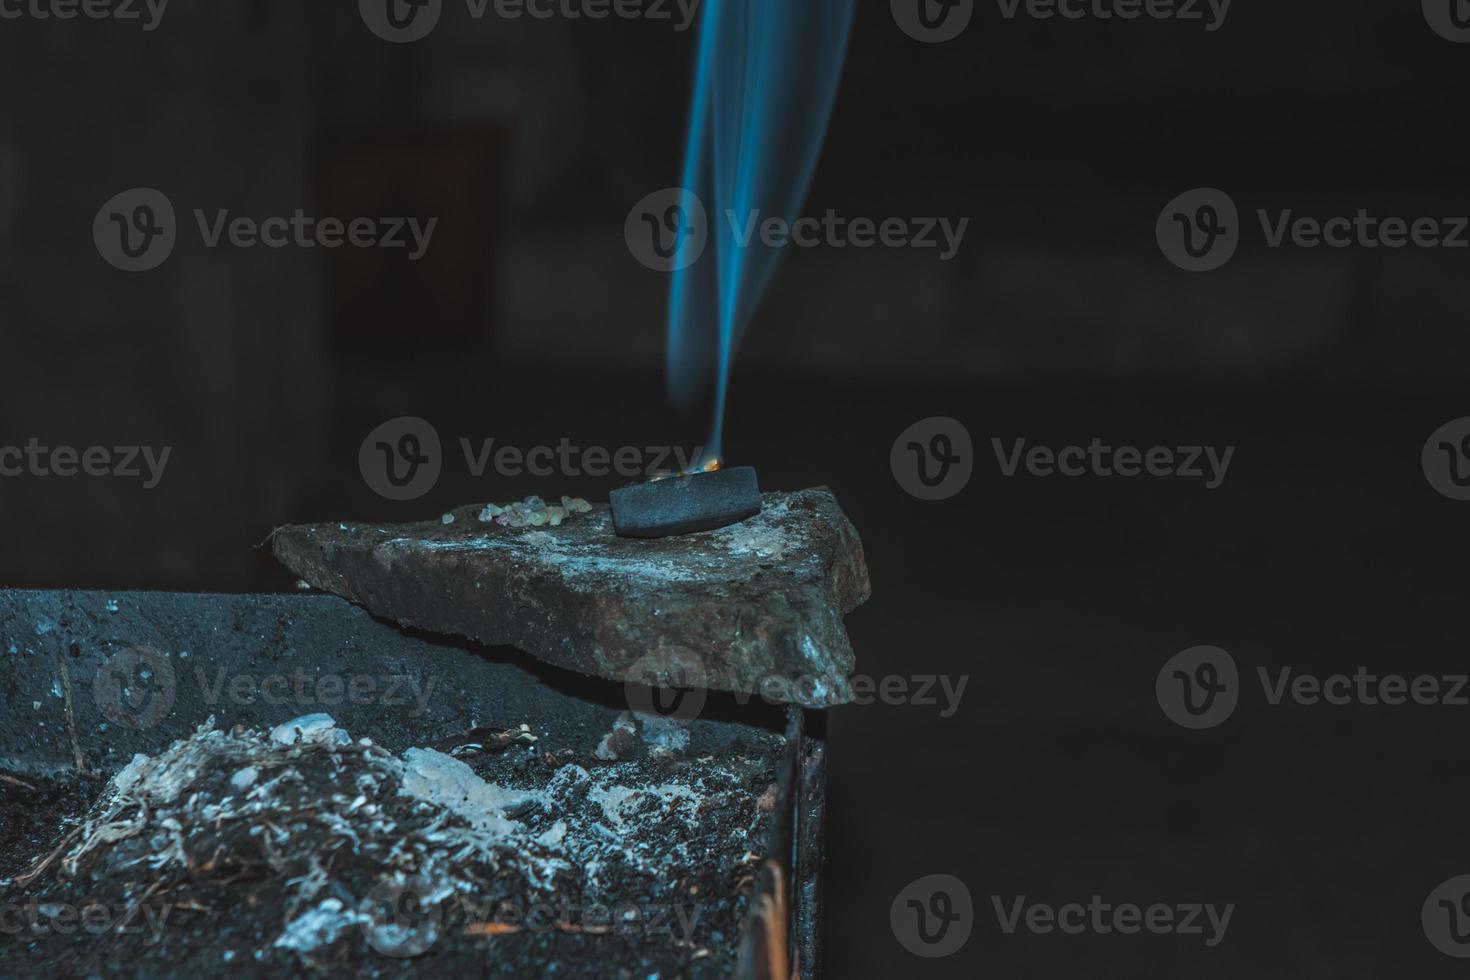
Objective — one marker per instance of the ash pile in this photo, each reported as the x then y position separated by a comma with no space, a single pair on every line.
303,849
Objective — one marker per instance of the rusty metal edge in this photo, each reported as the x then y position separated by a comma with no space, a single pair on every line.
782,936
810,834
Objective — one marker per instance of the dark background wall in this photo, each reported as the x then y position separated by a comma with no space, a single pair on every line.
1059,140
1059,320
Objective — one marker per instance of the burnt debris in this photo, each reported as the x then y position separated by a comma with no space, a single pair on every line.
309,849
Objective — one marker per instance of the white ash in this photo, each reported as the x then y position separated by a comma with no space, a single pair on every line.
447,782
586,558
620,741
305,795
759,539
664,736
307,728
622,803
321,926
554,834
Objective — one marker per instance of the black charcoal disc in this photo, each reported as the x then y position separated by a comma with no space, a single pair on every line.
685,504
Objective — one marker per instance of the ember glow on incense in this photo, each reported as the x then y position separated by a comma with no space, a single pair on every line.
765,80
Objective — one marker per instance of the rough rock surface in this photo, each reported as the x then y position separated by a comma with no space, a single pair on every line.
756,607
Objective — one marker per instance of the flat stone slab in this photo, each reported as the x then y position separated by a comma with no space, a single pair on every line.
756,607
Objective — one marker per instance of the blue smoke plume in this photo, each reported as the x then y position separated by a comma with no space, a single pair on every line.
765,81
